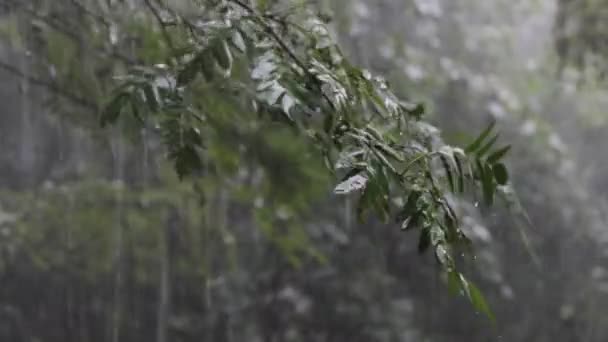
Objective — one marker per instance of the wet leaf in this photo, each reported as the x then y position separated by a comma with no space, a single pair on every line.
405,225
238,41
443,256
500,173
287,104
424,242
488,185
150,96
135,110
448,173
479,302
186,161
480,139
487,146
222,55
113,110
499,154
454,285
354,183
193,136
461,174
207,67
189,72
391,152
415,110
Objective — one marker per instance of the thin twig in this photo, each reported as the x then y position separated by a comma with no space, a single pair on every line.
52,87
71,34
273,34
162,24
270,30
414,161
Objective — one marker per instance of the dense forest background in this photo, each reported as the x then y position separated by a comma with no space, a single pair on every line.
102,241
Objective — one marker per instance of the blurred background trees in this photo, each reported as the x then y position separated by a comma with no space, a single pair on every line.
102,242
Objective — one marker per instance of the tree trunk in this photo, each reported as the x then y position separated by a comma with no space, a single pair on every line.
117,308
168,243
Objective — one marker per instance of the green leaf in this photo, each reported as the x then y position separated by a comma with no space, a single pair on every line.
353,183
378,190
407,223
328,123
460,173
479,302
391,152
500,173
186,161
382,207
373,197
437,235
192,136
222,55
113,109
443,256
327,160
409,214
206,65
189,72
451,222
414,110
499,154
374,133
464,285
238,42
150,97
480,139
487,184
287,103
381,179
454,285
448,172
487,146
457,282
424,242
135,109
385,161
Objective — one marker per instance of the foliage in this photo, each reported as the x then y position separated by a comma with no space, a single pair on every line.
286,68
471,61
250,251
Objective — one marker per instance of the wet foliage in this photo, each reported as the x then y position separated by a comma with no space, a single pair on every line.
299,171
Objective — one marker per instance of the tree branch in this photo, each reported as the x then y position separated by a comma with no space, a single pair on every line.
53,24
273,34
270,30
162,24
50,86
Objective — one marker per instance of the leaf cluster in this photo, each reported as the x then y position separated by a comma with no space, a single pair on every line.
287,69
